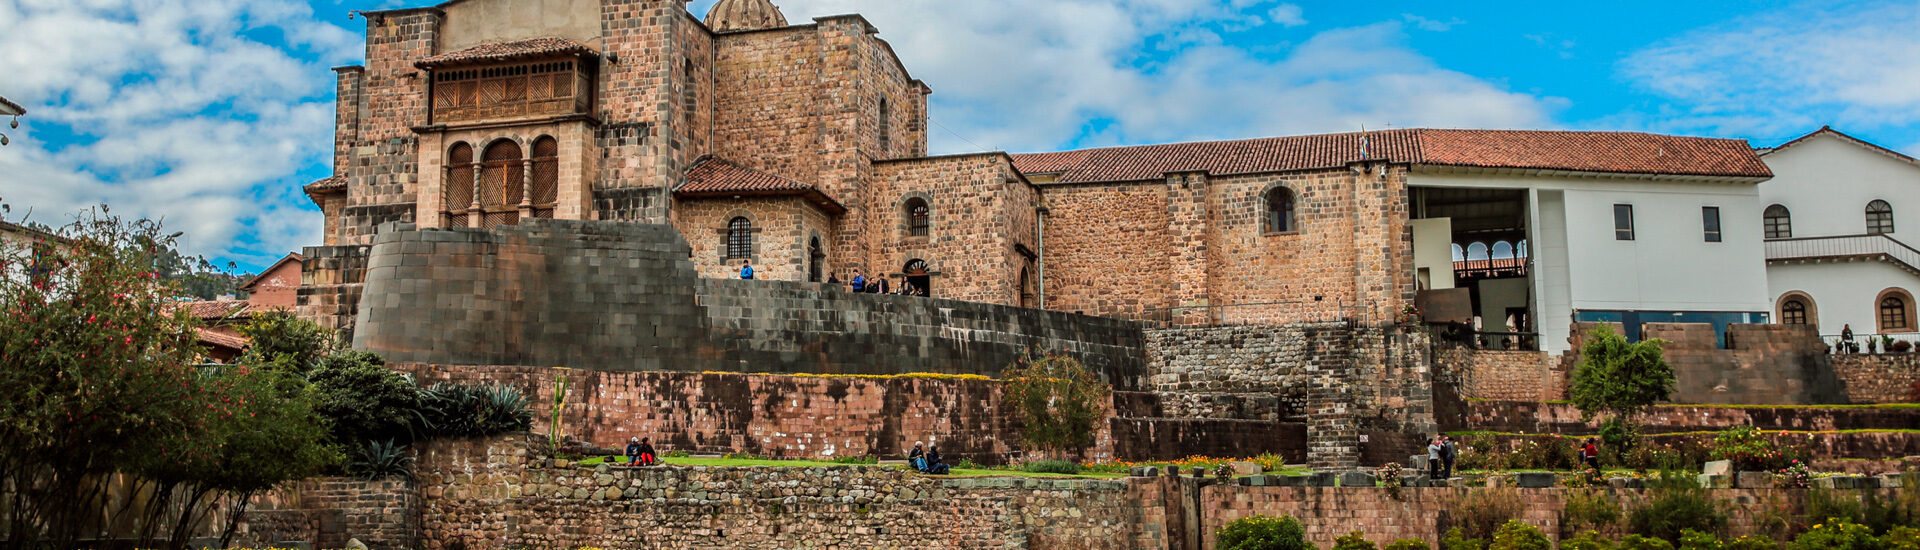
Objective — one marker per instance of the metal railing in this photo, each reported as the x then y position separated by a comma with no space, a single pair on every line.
1844,247
1860,342
1258,313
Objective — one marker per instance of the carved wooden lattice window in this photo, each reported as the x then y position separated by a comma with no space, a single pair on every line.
459,186
739,238
1879,218
545,190
508,91
502,182
1779,222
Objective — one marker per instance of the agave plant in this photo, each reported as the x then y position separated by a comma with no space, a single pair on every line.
382,460
506,410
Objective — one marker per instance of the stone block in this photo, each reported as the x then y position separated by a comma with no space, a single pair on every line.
1718,468
1715,481
1865,482
1617,482
1533,480
1304,480
1753,480
1356,479
1244,468
1326,479
1892,481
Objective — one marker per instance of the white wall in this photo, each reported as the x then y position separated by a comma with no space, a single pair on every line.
1826,182
1552,287
1433,250
1845,293
1496,295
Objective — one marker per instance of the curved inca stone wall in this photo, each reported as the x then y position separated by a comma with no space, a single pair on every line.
624,297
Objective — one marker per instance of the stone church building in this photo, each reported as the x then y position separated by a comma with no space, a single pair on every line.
803,149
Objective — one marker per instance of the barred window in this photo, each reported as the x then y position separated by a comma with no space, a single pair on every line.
1779,222
1279,215
1879,217
739,238
919,222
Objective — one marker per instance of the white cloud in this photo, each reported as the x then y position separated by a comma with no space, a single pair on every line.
1789,71
200,113
1030,76
1434,25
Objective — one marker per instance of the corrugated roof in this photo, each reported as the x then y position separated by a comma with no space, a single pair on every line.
1612,152
501,51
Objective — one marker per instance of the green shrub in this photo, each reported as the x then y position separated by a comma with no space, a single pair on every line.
677,454
1750,451
1050,467
1902,538
1589,510
1695,540
1587,540
1408,544
362,401
279,341
1838,534
1676,504
1481,512
1353,541
456,410
856,460
1060,404
1456,539
1520,535
1270,462
377,460
1637,542
1903,509
1263,533
1754,543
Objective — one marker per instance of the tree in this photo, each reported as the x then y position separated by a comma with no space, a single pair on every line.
1059,402
363,401
1262,533
277,340
1618,379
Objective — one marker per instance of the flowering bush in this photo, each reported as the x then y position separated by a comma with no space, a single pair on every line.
1836,535
1794,476
1749,450
1388,475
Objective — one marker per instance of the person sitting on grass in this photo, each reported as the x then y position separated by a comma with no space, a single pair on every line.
647,457
917,457
633,451
934,466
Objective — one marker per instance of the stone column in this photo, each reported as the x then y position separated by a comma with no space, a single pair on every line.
1333,431
526,188
474,215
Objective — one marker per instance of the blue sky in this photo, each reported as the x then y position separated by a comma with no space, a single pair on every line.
211,113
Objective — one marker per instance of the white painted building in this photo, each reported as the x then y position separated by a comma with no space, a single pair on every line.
1832,219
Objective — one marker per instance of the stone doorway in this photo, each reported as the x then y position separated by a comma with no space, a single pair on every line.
815,257
916,274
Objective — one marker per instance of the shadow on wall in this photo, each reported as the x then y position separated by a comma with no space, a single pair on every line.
624,297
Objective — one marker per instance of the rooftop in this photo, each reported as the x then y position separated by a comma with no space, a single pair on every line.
715,177
505,51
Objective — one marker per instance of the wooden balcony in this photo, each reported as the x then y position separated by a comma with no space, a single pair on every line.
507,92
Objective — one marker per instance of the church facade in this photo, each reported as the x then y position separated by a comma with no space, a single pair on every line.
802,148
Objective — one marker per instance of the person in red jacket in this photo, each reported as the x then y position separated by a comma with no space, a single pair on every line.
1590,453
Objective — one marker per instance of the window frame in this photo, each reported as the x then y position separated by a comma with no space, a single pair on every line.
1879,221
1710,224
1279,211
1788,312
1777,226
919,212
1627,232
739,239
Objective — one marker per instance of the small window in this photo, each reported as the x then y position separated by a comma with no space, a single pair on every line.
739,238
1879,218
1279,215
1893,314
1794,312
1623,222
886,129
919,222
1710,222
1779,222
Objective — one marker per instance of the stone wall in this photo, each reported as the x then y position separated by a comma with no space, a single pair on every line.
331,282
328,511
1879,378
1564,418
1499,375
1761,364
614,296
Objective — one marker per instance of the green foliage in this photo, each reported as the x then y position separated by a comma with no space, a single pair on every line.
363,401
1637,542
1755,543
1619,379
1051,467
281,342
1589,510
1480,513
1695,540
1263,533
1058,402
194,276
677,454
1836,534
1675,504
1826,505
1456,539
1620,436
455,410
1902,537
382,459
1587,540
1519,535
1408,544
1270,462
1353,541
1750,451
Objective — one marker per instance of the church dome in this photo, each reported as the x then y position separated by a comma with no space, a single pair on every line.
744,15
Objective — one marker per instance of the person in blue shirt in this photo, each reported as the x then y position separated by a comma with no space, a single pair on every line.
746,270
917,458
859,281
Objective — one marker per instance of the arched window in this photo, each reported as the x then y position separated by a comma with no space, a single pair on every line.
886,129
917,274
458,189
502,183
1477,251
1501,250
919,217
815,257
1026,288
1793,312
1879,217
1520,250
545,190
1779,222
739,238
1279,216
1459,254
1895,307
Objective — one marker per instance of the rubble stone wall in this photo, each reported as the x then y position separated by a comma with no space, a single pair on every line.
1885,378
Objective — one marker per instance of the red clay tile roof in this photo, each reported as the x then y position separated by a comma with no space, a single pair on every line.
1611,152
217,339
716,177
501,51
1842,135
215,310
